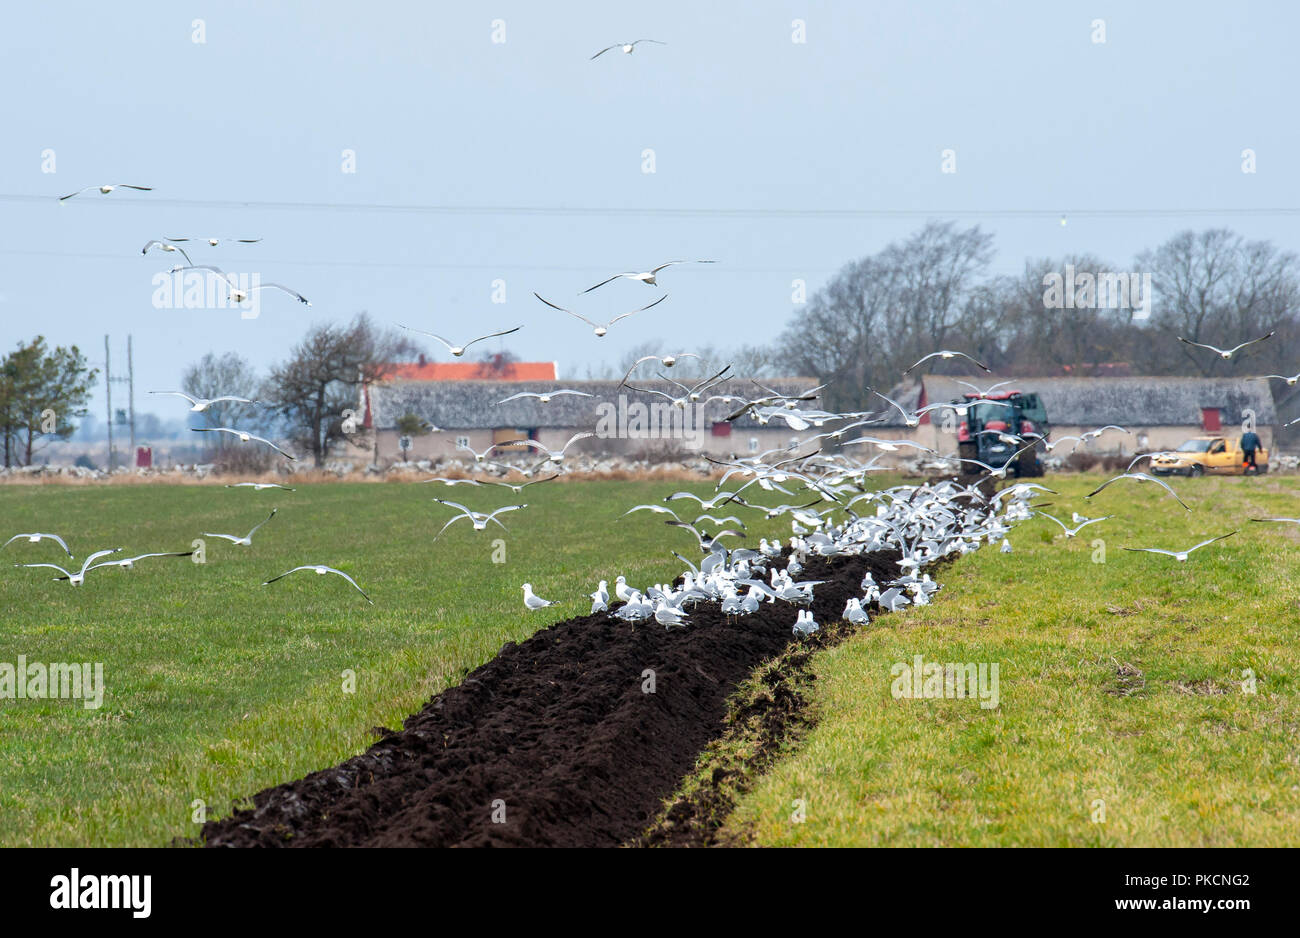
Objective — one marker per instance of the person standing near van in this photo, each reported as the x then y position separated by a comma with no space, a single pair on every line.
1249,443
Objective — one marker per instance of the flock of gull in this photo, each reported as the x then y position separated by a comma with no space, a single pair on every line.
822,488
825,493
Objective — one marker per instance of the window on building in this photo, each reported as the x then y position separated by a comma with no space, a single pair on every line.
753,444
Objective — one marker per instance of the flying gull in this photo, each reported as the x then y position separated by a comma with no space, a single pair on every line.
75,579
36,539
105,190
646,277
244,437
201,404
322,570
597,327
166,247
1180,555
458,350
1226,354
543,397
247,539
237,293
626,47
946,355
1139,477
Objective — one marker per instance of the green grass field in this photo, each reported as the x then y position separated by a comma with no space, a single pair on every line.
1122,717
217,686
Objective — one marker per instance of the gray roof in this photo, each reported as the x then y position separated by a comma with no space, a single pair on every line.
473,405
1138,402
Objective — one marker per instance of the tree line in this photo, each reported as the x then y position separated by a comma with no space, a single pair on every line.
872,320
932,290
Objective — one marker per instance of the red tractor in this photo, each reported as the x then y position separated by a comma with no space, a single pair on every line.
989,426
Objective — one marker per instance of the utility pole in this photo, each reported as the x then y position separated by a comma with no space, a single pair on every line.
129,381
130,385
108,389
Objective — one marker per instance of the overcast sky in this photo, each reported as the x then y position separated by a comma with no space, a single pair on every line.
1043,120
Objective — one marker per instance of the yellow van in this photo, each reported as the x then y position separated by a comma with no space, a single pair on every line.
1216,455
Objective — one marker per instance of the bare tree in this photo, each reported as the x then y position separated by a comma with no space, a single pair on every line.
322,378
221,375
1076,339
1216,287
881,313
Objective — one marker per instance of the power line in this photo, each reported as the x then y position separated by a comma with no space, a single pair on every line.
648,212
229,260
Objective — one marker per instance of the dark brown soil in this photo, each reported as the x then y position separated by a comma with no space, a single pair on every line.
770,714
556,729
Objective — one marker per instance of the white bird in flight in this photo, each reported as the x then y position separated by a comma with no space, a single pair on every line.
105,190
626,47
543,396
911,420
517,488
1290,382
201,404
1139,477
554,455
74,579
258,486
946,355
1226,354
129,562
237,293
247,539
1180,555
445,481
479,457
597,327
659,509
646,277
1071,532
478,518
36,539
666,360
1094,434
213,242
244,437
161,245
458,350
986,391
533,601
322,570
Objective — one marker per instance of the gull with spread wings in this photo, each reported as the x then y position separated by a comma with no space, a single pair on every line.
597,327
458,350
1226,354
646,277
946,355
105,190
244,437
627,47
1180,555
1139,477
321,569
